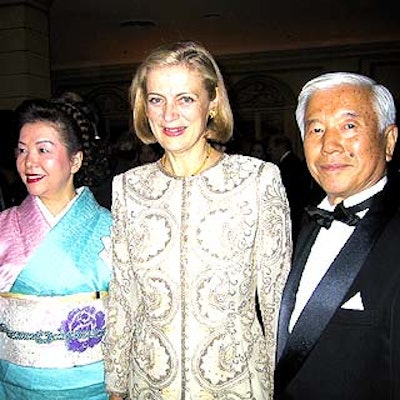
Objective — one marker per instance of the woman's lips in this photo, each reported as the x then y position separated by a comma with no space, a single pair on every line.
34,178
174,131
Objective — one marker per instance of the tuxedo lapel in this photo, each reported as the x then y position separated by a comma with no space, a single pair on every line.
329,294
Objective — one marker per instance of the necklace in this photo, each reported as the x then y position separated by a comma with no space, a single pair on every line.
198,170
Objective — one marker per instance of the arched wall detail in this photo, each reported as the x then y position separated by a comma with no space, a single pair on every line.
263,105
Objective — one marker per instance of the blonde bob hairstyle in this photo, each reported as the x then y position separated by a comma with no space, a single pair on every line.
195,57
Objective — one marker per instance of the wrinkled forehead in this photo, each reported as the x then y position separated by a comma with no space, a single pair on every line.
341,98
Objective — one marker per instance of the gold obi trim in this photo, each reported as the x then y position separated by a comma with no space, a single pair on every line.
70,297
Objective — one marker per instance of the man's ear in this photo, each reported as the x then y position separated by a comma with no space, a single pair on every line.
76,162
391,138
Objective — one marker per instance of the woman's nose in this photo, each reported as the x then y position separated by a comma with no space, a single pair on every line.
170,112
30,159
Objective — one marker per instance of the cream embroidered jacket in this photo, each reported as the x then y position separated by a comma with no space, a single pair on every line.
189,255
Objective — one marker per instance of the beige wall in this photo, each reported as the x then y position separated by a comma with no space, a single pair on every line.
24,52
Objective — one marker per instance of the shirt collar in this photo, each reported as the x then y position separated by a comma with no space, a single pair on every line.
358,197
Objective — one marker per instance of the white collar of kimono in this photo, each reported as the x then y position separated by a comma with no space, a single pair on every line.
53,219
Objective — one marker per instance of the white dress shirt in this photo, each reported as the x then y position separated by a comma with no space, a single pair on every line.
326,247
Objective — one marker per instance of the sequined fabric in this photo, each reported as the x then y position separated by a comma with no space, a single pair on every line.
189,255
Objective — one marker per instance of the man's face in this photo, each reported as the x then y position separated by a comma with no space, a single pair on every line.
344,150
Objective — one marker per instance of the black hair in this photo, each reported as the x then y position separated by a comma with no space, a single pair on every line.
77,132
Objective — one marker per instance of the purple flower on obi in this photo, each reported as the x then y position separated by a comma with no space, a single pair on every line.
83,328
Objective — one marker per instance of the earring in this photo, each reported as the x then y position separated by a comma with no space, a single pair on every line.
212,114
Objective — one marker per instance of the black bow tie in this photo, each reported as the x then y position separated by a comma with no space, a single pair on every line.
340,213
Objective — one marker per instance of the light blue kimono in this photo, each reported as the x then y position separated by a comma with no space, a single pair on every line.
66,268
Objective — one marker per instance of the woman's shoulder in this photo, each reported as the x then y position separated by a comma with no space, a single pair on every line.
23,210
249,163
146,181
89,204
12,218
235,172
7,214
139,172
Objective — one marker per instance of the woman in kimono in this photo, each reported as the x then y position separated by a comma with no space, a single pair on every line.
54,273
197,235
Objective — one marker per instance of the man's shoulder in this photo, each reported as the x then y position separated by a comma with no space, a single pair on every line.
391,191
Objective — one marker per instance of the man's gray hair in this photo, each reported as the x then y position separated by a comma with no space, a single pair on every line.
382,98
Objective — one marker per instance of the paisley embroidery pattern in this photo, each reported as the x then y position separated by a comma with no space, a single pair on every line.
189,256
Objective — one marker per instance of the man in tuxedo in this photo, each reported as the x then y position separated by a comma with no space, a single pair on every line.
339,326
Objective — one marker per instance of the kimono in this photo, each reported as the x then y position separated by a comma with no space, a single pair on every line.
53,284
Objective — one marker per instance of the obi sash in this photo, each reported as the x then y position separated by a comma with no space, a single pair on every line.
52,331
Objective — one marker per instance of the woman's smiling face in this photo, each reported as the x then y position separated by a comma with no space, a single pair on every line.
177,107
43,162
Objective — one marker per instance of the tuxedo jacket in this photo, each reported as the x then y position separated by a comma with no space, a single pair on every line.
341,353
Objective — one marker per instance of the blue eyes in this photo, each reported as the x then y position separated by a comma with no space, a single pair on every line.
182,100
187,99
154,100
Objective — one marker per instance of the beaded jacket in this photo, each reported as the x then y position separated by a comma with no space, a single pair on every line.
189,255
